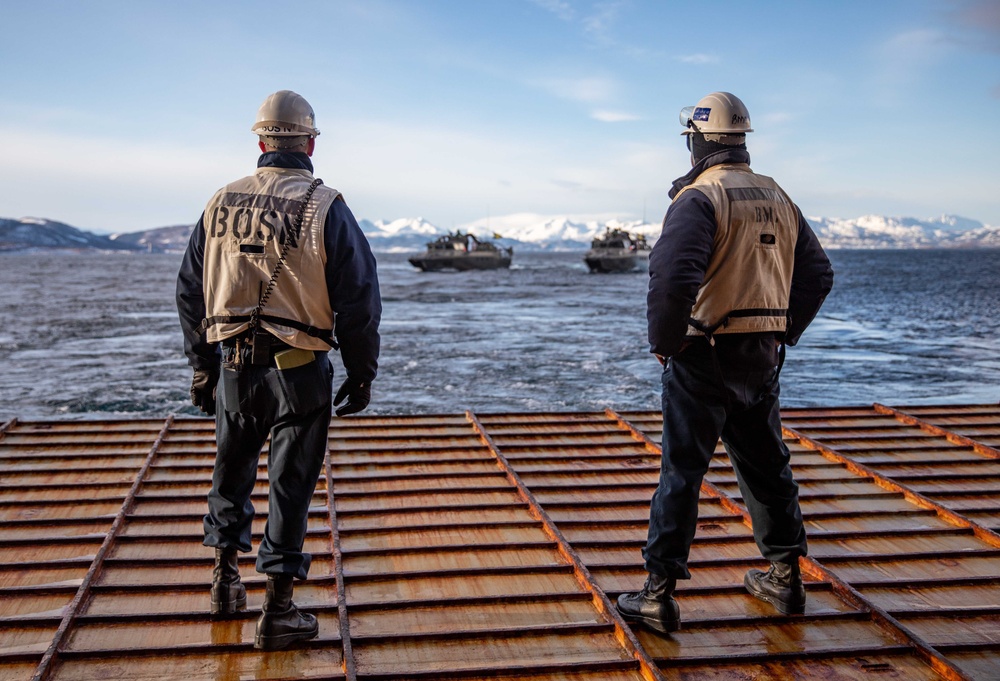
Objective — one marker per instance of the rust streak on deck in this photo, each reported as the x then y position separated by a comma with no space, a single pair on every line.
956,438
475,546
811,566
623,633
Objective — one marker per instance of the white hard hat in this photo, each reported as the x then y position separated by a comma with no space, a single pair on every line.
720,113
285,114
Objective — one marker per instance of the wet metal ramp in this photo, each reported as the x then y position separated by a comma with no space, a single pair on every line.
493,545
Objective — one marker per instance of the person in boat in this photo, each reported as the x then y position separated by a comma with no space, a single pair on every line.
275,259
736,275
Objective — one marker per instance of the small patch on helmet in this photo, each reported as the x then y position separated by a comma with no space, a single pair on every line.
701,113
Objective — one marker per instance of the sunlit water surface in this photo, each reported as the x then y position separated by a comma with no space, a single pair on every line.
96,335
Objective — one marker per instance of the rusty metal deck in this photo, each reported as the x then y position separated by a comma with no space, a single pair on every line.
492,546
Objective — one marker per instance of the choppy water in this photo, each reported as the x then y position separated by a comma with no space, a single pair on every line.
89,336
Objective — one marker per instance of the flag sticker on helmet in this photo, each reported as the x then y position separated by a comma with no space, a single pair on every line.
701,113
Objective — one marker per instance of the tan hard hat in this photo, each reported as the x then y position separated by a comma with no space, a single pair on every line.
720,112
285,114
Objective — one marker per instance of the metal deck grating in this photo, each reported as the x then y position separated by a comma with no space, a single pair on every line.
481,546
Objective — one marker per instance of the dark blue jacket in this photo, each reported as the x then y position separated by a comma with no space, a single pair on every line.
351,282
680,257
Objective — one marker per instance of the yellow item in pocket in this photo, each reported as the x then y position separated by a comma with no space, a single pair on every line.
294,357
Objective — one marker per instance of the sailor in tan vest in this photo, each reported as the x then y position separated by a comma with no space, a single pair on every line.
736,275
277,272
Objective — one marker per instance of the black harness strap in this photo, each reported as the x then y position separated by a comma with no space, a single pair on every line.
325,335
709,330
706,329
255,315
758,312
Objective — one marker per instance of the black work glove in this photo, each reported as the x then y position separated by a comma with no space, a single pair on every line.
358,394
203,389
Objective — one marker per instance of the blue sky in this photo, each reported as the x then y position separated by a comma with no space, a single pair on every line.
127,115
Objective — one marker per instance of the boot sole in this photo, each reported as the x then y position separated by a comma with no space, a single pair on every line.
220,608
783,607
283,640
658,626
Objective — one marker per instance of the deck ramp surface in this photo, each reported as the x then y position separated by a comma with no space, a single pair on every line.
480,546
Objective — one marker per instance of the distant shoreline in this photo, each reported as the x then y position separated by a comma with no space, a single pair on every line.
34,250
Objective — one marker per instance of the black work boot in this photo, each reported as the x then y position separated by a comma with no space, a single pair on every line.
228,593
281,622
781,586
654,606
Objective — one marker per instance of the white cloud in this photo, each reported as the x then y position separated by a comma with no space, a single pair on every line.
905,57
914,43
560,8
699,58
613,116
775,118
598,24
387,170
110,184
589,89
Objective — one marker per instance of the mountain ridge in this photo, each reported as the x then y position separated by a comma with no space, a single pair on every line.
526,231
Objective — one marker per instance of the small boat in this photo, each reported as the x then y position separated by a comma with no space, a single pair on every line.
618,251
460,251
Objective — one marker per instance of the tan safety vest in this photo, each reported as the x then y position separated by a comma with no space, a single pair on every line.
749,275
246,223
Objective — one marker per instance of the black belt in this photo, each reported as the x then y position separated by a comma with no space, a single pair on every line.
250,356
246,340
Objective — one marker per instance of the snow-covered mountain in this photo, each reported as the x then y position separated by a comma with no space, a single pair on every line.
38,233
530,231
404,234
161,240
524,231
876,231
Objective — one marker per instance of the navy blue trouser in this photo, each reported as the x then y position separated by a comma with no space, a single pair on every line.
293,406
741,406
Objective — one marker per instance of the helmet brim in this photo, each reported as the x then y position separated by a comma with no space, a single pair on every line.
282,129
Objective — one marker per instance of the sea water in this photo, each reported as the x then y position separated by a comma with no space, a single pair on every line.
94,335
